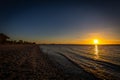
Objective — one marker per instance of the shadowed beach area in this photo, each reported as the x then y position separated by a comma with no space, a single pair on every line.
28,62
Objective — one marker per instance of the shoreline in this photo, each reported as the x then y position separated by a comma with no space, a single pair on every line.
30,62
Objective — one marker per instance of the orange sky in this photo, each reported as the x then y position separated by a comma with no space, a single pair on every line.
103,38
91,41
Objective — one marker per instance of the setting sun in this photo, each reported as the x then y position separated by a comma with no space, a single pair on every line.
96,41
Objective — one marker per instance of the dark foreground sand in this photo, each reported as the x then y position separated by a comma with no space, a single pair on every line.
28,62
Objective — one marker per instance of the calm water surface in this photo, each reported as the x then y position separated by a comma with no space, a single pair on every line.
102,61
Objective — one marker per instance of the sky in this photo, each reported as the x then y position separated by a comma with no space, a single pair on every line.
61,21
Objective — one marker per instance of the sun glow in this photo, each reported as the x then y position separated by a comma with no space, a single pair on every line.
96,41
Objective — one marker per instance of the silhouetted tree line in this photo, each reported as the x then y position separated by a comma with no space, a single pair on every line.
4,39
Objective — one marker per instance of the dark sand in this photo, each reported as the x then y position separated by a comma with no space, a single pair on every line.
28,62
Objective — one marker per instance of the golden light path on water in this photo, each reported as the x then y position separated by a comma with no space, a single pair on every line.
96,52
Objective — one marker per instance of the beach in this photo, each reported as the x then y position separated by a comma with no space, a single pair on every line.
28,62
25,62
32,62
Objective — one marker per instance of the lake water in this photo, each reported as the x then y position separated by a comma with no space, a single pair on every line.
101,61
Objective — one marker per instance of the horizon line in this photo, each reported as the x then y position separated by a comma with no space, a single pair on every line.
73,44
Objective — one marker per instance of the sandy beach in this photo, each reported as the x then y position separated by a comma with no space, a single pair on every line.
25,62
28,62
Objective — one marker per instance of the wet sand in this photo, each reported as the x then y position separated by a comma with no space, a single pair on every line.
28,62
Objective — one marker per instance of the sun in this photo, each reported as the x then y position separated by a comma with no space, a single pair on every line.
96,41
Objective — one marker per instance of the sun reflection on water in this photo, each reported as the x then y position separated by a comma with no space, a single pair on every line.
96,52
